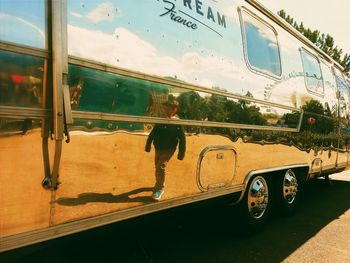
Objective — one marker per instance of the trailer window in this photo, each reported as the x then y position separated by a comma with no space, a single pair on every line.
260,45
312,72
330,89
344,99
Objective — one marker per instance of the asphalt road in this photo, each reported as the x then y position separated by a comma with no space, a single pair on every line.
318,232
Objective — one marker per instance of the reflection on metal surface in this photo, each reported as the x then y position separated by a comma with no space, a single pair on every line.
257,197
21,80
23,202
312,72
216,167
316,167
233,125
97,91
260,45
13,127
290,186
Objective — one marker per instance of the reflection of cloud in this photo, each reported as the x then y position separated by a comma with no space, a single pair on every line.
77,15
127,50
122,48
103,12
4,16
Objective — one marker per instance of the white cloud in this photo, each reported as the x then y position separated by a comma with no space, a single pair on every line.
103,12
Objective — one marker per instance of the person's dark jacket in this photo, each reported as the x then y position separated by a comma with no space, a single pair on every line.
166,137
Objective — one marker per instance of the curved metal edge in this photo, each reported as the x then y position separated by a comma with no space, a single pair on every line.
155,120
265,171
200,159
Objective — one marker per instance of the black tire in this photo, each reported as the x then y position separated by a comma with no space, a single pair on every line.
286,193
255,205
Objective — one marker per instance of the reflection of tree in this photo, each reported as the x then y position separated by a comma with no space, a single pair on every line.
192,106
218,109
317,118
324,42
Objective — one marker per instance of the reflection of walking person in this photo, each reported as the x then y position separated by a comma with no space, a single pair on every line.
165,139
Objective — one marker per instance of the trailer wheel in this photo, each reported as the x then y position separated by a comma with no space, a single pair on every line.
255,204
287,192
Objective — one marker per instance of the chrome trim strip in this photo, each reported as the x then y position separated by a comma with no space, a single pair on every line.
7,46
27,238
138,119
58,23
138,75
267,170
20,113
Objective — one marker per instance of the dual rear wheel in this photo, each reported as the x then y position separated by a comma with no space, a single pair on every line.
265,191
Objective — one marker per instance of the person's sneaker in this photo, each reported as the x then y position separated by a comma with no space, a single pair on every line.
157,195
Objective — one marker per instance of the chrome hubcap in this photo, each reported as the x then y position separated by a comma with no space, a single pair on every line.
258,197
290,186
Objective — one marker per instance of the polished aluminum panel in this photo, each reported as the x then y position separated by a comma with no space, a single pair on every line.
24,204
131,61
23,22
98,91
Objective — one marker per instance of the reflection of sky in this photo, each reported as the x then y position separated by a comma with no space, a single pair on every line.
116,32
23,22
145,21
311,66
262,52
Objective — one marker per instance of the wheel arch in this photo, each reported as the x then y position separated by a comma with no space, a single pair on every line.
301,171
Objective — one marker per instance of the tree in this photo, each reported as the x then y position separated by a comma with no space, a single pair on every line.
322,41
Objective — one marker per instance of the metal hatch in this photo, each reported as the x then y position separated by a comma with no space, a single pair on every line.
216,167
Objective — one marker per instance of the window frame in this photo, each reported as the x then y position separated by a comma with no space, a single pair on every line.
303,50
251,67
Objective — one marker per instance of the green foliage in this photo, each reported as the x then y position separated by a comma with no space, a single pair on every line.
323,122
219,109
322,41
314,106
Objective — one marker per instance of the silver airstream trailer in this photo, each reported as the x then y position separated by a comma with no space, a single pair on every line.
115,109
